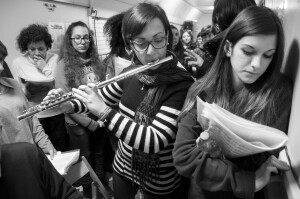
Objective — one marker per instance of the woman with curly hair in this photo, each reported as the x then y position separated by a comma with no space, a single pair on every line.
80,64
113,31
35,74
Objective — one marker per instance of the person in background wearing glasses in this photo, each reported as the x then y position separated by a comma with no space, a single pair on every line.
149,103
34,72
79,64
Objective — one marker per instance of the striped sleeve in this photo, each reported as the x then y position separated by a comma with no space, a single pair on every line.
150,139
110,94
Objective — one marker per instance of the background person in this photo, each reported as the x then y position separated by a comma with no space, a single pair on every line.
78,64
187,40
177,46
35,74
223,14
12,104
245,79
112,29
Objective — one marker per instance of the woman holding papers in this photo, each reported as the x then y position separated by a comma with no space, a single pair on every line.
34,72
245,79
149,103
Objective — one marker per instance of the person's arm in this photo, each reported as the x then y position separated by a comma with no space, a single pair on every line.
40,137
16,67
85,121
211,174
149,139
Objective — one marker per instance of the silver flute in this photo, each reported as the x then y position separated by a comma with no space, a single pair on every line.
48,104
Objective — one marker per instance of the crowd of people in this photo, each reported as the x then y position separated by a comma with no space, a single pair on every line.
144,129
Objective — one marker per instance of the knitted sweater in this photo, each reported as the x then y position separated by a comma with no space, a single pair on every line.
158,137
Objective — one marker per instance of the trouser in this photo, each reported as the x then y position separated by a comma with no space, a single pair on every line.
56,130
126,189
93,146
27,173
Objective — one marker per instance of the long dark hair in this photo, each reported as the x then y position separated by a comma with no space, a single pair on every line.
71,56
112,29
178,50
136,19
226,10
255,101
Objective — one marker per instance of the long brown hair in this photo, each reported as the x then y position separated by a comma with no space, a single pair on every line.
256,101
72,59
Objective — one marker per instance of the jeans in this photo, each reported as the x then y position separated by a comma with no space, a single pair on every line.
93,146
56,130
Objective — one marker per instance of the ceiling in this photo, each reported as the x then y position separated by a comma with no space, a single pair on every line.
204,6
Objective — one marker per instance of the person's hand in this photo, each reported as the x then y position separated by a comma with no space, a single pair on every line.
52,152
263,173
193,58
53,95
40,62
88,94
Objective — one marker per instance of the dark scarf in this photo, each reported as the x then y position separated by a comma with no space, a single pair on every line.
156,80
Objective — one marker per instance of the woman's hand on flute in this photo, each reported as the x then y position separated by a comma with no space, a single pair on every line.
54,94
88,94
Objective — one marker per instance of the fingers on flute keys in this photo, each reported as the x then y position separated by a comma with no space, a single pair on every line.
52,94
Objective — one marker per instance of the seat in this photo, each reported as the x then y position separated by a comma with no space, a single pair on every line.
79,169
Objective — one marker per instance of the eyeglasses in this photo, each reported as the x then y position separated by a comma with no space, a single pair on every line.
78,39
143,45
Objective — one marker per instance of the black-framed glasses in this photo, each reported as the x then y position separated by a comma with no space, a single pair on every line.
78,39
142,45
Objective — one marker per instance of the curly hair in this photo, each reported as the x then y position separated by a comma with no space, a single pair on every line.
33,33
112,29
72,60
226,10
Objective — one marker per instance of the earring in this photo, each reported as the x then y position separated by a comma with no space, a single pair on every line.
227,48
228,53
129,51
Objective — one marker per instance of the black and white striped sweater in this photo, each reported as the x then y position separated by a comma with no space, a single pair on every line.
158,137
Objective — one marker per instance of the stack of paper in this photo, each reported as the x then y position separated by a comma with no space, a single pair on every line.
63,161
237,136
